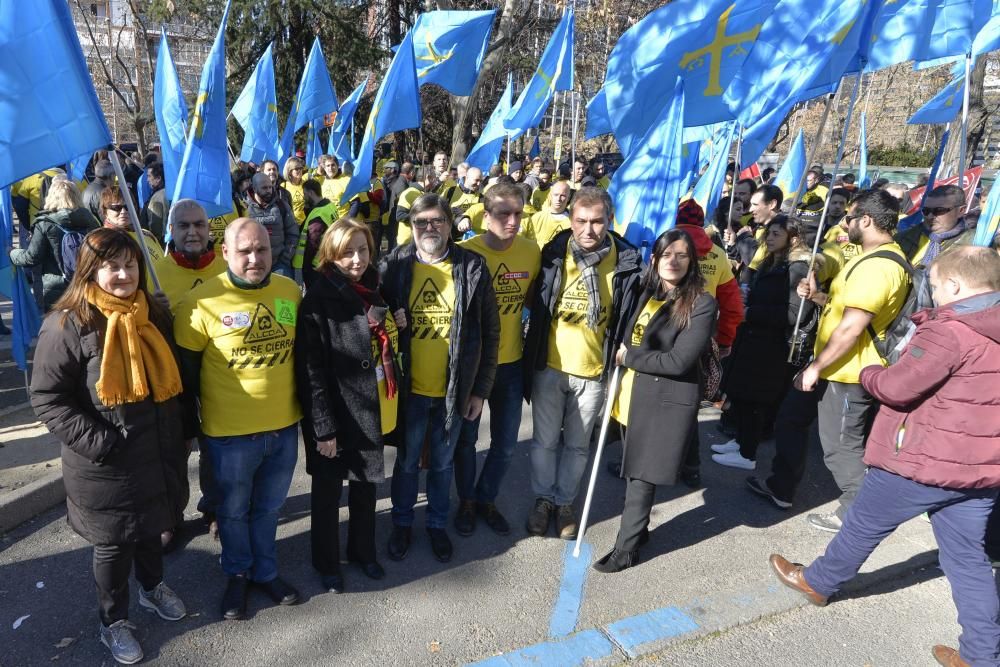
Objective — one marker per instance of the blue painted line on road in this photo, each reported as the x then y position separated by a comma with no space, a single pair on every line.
631,633
567,607
576,649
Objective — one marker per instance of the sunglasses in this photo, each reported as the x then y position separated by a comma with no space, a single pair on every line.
423,223
937,210
117,208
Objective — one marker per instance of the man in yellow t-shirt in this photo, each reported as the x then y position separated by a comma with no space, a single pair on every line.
190,258
541,193
815,195
514,262
865,298
449,360
575,325
426,182
543,226
236,335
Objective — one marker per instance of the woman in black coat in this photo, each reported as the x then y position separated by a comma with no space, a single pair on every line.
348,385
759,374
661,387
123,450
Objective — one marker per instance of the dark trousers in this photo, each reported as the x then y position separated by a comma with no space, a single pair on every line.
692,450
750,418
958,517
993,534
791,440
635,515
325,522
845,415
112,566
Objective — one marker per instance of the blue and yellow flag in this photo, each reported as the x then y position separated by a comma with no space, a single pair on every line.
647,187
555,72
789,177
757,137
49,112
171,113
449,47
925,30
864,182
988,38
14,285
598,122
917,217
339,143
989,220
315,98
709,187
256,110
796,42
486,152
314,147
396,107
943,107
703,42
204,171
535,149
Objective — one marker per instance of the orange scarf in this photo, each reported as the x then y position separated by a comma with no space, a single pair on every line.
136,356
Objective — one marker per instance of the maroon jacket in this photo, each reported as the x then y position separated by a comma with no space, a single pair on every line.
939,423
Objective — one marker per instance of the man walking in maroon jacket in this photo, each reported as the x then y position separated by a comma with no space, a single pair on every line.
935,448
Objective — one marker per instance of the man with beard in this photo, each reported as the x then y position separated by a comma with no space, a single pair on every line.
267,207
449,359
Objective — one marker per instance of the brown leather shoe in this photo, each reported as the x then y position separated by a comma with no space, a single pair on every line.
947,656
790,574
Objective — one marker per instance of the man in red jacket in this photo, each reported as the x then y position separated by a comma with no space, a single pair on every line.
935,448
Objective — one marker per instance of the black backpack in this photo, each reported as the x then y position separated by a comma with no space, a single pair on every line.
901,330
69,248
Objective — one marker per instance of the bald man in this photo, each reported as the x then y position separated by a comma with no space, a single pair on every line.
236,334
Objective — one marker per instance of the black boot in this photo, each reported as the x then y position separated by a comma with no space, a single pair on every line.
616,561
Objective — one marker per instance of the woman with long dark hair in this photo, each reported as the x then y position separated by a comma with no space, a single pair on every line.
661,386
348,383
759,374
107,384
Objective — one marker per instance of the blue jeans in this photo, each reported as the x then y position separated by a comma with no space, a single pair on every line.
958,517
424,415
252,473
505,421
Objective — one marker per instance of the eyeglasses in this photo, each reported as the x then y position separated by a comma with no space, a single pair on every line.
423,223
937,210
851,218
117,208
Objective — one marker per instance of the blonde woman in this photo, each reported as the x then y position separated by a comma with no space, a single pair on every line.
294,174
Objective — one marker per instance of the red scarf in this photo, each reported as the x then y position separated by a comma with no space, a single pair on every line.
371,297
185,263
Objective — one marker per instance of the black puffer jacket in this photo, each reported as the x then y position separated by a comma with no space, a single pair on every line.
475,326
124,468
45,248
336,380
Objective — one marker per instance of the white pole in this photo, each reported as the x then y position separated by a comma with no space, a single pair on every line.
965,122
826,205
610,401
576,111
133,216
812,151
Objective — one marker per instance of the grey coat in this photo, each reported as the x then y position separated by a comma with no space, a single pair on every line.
474,343
666,391
279,221
336,381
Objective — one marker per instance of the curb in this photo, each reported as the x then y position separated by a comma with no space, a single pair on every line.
11,409
30,500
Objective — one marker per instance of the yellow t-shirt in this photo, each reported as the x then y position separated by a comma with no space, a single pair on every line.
461,200
574,347
716,269
31,189
432,304
176,281
815,197
298,200
248,341
539,198
543,226
388,407
604,182
624,399
761,251
513,271
333,189
837,235
877,286
477,217
404,233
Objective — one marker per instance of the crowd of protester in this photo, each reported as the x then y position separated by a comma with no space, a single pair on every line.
393,318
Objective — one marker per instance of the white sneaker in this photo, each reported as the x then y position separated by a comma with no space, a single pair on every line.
734,460
725,448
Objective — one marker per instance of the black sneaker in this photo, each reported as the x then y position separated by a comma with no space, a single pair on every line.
234,600
399,542
280,591
465,519
541,515
493,518
760,487
691,476
566,522
440,544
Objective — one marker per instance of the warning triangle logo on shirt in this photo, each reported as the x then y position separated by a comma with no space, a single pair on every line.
639,330
263,327
505,282
576,291
429,299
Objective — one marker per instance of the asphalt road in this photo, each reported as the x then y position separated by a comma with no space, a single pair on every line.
703,581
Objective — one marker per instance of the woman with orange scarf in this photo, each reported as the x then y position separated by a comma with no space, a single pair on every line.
107,385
